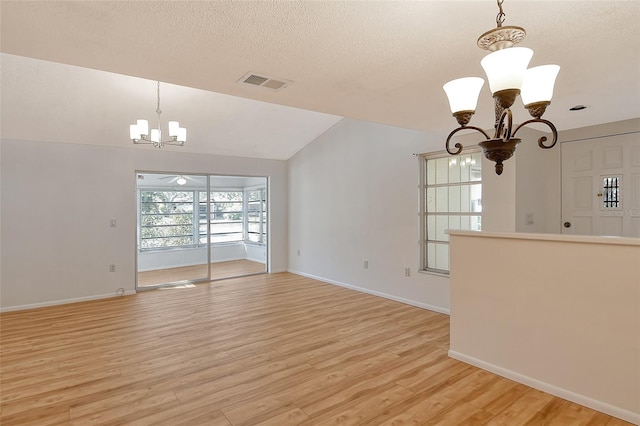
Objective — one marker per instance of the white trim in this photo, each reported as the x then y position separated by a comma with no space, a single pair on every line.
563,238
64,301
376,293
603,407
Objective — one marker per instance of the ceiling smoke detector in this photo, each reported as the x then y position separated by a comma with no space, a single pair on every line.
258,80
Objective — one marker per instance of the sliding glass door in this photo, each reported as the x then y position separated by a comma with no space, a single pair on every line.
238,225
194,228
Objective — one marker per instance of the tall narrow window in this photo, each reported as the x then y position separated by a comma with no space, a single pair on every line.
451,198
256,216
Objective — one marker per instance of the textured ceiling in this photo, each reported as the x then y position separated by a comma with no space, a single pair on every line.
382,61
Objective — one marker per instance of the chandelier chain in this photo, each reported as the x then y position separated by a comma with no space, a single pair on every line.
158,108
501,14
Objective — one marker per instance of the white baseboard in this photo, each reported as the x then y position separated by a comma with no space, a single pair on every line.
375,293
603,407
64,301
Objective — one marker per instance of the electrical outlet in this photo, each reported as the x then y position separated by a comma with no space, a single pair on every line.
407,272
298,252
529,218
366,264
113,223
112,268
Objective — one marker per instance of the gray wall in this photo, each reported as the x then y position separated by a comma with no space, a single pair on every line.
353,196
57,202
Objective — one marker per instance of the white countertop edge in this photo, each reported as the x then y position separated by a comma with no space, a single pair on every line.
550,237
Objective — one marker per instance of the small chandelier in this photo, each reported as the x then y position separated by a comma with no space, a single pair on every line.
506,69
139,132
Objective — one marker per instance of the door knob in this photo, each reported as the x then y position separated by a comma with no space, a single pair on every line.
567,224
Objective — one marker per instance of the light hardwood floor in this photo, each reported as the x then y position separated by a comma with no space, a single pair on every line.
219,270
277,350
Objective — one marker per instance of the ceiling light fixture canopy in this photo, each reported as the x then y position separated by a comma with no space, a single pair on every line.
139,132
508,76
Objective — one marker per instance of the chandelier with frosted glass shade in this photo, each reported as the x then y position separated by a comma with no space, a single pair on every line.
508,76
139,132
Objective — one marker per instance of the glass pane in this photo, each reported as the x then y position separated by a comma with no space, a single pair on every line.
431,172
442,199
454,222
454,199
476,198
431,255
454,170
431,227
226,217
476,167
224,227
255,195
464,168
225,238
431,199
442,224
442,257
476,223
222,196
465,223
442,170
465,199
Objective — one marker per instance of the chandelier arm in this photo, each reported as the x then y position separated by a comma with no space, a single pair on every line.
458,144
501,132
542,139
143,140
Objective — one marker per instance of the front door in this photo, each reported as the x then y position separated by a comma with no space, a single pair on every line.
601,186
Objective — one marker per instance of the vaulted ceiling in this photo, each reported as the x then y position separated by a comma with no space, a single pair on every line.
85,70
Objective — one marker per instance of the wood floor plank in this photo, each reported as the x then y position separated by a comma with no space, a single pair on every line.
285,416
522,411
276,349
363,408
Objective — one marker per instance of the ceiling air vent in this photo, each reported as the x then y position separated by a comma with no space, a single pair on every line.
272,83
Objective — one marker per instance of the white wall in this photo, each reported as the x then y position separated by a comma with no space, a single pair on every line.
537,184
353,196
559,313
173,258
538,176
58,200
529,187
602,130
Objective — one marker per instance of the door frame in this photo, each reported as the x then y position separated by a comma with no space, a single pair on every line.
207,176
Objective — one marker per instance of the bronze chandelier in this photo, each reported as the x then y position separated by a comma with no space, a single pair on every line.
506,70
